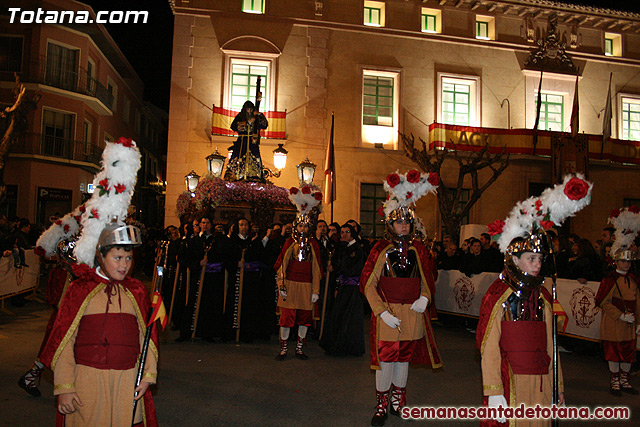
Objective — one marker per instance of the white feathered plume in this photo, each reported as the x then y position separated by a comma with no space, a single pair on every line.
305,198
627,224
549,210
62,229
405,189
114,186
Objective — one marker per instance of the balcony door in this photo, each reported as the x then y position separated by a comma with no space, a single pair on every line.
57,133
62,64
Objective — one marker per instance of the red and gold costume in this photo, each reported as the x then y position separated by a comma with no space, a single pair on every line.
618,294
415,342
301,279
94,346
516,355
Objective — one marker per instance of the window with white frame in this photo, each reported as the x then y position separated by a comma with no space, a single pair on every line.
112,88
126,109
431,20
253,6
485,27
380,104
630,118
62,67
612,44
459,100
241,78
57,132
374,13
551,112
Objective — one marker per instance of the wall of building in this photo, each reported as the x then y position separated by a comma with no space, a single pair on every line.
320,71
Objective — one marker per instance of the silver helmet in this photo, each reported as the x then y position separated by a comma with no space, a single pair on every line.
514,276
624,254
119,234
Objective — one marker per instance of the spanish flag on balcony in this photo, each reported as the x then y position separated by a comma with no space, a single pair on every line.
221,120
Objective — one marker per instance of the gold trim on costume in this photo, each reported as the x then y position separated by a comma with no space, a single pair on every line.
58,387
150,375
493,387
494,313
74,324
141,323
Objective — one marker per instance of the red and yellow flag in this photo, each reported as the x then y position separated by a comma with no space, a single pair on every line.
221,120
563,319
158,311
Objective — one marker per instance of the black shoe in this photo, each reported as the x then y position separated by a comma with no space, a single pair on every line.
615,392
630,390
281,357
17,266
33,390
394,412
378,420
301,356
25,265
181,339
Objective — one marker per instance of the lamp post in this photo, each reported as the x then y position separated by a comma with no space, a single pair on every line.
306,171
191,180
280,157
215,163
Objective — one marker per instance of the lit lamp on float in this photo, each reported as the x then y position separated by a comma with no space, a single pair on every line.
191,180
279,162
306,171
215,163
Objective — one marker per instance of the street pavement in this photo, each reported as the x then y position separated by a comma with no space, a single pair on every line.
224,384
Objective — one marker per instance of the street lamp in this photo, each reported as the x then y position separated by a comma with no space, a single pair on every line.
280,157
215,163
191,180
306,170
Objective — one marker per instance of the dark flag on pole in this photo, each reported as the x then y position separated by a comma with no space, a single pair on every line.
330,170
538,105
606,121
575,113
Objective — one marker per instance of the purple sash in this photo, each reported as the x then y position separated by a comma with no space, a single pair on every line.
349,281
213,267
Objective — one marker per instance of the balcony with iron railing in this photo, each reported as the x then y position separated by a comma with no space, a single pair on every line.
72,81
58,148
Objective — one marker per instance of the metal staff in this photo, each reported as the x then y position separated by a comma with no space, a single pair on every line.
555,397
173,292
147,336
196,311
239,290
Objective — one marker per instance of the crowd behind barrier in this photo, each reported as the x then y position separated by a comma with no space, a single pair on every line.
456,293
14,281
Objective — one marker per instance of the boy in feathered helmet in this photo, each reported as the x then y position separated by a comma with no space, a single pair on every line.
619,298
299,271
514,332
398,283
96,339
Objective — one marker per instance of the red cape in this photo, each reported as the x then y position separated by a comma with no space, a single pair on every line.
608,283
77,293
426,350
492,297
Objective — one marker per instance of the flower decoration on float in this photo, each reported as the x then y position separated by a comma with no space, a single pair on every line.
627,224
535,215
116,182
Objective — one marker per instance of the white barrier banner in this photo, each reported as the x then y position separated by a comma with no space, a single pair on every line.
17,280
459,294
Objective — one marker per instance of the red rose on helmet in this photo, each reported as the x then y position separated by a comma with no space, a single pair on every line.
58,222
381,211
317,195
538,204
293,190
39,251
576,189
83,209
409,194
413,176
306,190
127,142
120,188
614,213
634,209
496,227
393,179
104,183
94,213
66,228
547,224
434,178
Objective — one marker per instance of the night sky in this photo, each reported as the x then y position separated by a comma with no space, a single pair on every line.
148,46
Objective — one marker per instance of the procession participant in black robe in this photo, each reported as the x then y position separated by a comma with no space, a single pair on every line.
216,247
248,313
190,258
344,329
